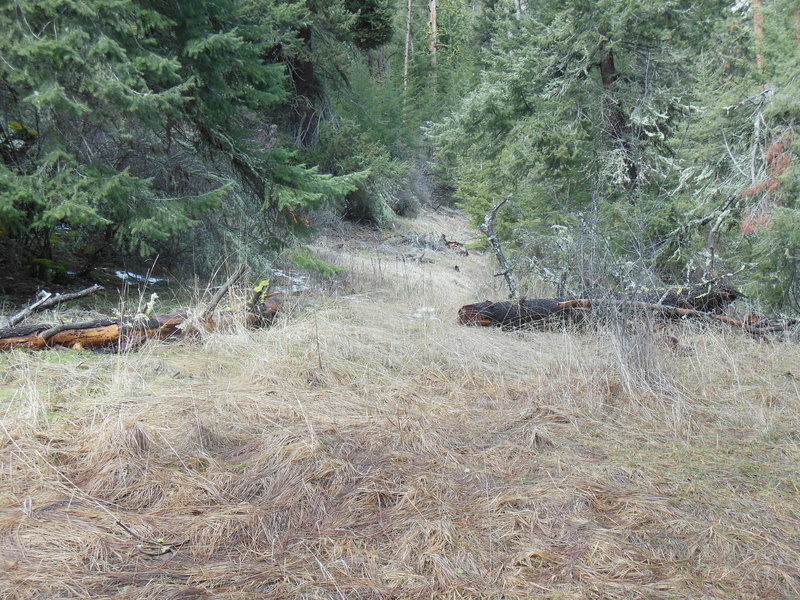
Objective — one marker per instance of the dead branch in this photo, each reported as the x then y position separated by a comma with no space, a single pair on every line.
488,229
223,289
547,275
713,237
47,300
668,311
130,332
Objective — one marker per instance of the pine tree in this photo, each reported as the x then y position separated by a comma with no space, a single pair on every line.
122,122
576,113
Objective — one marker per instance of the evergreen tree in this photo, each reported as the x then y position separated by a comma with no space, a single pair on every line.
576,114
123,121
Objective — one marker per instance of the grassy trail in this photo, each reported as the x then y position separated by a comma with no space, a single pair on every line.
369,447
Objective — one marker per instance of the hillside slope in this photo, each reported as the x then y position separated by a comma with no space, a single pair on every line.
367,446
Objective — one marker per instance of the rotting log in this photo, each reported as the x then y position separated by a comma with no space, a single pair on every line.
129,333
513,315
708,299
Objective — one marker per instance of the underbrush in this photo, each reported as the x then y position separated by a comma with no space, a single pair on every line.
366,446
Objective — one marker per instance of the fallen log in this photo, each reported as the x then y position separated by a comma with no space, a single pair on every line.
708,299
514,315
128,333
673,312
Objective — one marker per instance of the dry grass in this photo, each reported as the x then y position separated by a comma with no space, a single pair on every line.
365,448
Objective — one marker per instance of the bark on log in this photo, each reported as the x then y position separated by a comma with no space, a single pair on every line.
127,333
513,315
708,300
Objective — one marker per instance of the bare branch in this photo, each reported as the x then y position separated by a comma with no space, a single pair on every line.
222,291
488,229
48,300
713,237
670,311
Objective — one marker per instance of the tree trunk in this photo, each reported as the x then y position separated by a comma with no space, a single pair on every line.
434,39
307,93
407,52
758,27
518,8
488,229
618,122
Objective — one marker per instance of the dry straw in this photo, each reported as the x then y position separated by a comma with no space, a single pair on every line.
368,447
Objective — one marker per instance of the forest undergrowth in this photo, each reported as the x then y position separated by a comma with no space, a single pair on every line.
367,446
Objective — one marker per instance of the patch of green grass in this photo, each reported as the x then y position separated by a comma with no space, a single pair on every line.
306,260
478,245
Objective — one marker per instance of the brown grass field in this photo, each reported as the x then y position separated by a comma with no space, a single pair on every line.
367,446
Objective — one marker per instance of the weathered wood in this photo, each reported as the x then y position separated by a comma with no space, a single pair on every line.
708,300
488,229
47,300
223,289
514,315
131,332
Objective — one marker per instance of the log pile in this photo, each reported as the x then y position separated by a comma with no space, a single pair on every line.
130,332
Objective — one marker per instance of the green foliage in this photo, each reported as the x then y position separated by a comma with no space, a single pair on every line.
625,131
776,253
304,259
124,123
48,270
373,26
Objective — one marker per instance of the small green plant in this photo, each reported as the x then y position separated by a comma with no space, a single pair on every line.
48,270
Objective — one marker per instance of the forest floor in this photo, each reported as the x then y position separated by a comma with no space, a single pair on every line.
367,446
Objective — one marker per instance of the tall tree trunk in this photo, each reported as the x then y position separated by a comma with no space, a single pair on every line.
618,122
518,8
758,27
434,40
371,63
407,53
307,93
